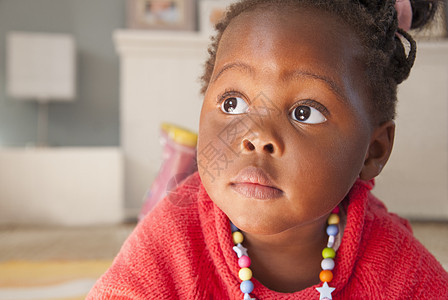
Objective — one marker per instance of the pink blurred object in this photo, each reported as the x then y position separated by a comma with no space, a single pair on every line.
404,14
178,162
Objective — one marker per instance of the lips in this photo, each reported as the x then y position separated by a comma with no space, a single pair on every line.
253,182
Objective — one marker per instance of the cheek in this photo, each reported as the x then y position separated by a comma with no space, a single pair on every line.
207,148
346,158
214,155
323,168
208,126
210,131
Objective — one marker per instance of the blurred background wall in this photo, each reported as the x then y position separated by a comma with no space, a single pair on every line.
93,118
131,76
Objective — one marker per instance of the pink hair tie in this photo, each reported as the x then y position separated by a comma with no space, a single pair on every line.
404,14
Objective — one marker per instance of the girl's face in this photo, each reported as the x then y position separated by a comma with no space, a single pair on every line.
284,127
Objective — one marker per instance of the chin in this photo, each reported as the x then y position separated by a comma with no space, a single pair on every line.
255,224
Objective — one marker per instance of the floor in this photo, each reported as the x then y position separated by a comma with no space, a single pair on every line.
49,263
103,243
62,243
434,236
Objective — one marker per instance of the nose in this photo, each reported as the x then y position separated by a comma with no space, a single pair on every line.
263,142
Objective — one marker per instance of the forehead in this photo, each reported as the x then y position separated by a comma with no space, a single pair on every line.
285,37
296,26
277,43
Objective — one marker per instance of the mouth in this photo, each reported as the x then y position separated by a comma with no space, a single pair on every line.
253,182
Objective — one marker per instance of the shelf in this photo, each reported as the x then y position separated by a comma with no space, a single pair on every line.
135,41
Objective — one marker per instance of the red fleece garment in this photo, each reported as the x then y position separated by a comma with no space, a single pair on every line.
183,250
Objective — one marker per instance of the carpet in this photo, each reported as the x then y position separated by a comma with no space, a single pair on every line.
49,280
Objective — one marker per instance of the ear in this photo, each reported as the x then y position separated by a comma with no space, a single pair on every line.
379,150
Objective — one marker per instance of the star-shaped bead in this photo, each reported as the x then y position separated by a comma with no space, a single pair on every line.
240,250
248,297
325,291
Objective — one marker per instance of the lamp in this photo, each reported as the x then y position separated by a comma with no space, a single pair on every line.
41,67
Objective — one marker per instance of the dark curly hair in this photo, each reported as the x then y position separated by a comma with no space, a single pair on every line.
388,56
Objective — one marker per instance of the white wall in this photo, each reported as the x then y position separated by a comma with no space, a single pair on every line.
415,180
93,119
64,186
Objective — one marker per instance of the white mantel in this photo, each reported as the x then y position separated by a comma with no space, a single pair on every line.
183,44
159,82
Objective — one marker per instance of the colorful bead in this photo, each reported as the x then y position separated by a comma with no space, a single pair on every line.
240,250
325,291
328,253
333,219
327,264
237,237
332,230
233,228
245,274
248,297
244,261
247,287
326,276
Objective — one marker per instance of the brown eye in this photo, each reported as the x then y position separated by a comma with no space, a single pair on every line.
302,113
308,114
234,105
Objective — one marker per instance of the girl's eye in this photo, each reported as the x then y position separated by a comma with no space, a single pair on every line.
308,115
234,105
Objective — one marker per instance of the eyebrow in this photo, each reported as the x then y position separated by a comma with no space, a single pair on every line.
296,74
235,65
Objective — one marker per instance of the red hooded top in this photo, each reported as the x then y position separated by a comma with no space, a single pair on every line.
183,250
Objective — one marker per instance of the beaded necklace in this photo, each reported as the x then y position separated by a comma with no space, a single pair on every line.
327,264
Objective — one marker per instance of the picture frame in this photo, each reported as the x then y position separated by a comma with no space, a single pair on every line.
210,12
161,14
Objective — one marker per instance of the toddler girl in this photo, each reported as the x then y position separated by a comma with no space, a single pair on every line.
297,120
